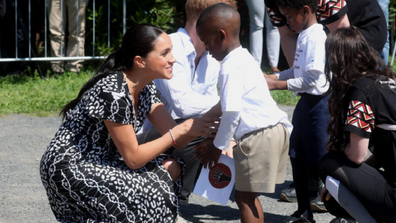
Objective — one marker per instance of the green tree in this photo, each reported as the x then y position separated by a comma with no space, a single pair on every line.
166,14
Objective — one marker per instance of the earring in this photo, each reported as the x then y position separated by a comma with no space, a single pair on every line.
143,66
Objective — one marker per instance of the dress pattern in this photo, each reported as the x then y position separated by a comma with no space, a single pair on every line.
84,175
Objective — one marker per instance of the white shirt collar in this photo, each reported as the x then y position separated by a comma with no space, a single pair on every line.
231,52
188,44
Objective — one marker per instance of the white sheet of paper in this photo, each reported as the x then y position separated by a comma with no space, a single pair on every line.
205,188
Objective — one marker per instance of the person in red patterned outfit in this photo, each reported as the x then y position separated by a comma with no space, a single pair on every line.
367,15
363,117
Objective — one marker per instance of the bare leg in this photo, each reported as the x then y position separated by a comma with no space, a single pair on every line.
173,167
250,208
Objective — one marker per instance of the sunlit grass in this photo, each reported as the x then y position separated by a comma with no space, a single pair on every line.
44,97
37,96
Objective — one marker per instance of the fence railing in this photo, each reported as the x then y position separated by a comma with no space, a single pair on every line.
28,31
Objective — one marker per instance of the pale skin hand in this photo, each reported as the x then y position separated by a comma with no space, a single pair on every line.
356,151
136,156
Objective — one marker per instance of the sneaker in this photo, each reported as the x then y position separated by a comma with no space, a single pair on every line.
289,195
317,205
297,218
342,220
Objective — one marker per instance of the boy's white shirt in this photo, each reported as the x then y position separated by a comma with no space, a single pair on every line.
307,74
245,99
190,92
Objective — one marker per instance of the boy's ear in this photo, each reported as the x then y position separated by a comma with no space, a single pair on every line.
306,10
223,34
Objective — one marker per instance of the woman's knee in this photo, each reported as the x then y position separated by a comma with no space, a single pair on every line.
173,167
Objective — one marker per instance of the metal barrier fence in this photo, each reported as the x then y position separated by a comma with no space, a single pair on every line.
31,54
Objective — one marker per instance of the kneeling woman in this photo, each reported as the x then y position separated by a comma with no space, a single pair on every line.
362,106
94,170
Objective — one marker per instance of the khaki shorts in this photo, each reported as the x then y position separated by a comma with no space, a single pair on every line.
261,158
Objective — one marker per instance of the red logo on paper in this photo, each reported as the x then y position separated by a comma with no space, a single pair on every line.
220,176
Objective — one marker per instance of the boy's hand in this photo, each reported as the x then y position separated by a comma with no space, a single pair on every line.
207,153
201,149
271,81
270,76
211,156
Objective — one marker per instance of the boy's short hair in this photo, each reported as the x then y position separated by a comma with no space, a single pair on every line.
194,8
298,4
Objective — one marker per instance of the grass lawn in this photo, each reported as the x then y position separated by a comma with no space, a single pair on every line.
43,97
39,97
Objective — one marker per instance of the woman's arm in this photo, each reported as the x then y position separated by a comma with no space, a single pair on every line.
356,150
163,121
136,156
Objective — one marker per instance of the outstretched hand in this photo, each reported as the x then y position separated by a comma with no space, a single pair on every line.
207,153
202,126
271,80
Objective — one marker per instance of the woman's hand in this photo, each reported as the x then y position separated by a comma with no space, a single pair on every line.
201,126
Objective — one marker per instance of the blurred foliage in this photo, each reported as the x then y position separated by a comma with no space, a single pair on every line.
166,14
392,10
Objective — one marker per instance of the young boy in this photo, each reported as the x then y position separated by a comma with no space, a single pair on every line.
311,117
249,114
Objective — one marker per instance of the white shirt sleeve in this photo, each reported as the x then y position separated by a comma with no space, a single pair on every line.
184,101
313,66
228,125
286,74
305,82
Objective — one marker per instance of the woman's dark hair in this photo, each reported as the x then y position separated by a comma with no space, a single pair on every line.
298,4
137,41
348,57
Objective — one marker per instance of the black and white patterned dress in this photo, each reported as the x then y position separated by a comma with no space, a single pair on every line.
84,175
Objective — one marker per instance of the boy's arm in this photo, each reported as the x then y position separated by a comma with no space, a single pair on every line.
228,125
279,83
305,82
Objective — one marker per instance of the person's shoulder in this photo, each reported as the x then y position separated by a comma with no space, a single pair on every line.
365,83
316,34
235,58
181,44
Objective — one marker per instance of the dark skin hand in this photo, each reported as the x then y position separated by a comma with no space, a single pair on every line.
207,153
274,84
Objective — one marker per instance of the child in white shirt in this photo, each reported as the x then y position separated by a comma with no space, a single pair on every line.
311,116
249,114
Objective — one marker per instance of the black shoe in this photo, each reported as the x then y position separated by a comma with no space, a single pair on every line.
342,220
297,218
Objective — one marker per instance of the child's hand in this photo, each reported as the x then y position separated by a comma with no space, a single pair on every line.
207,153
229,151
202,147
271,76
271,80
